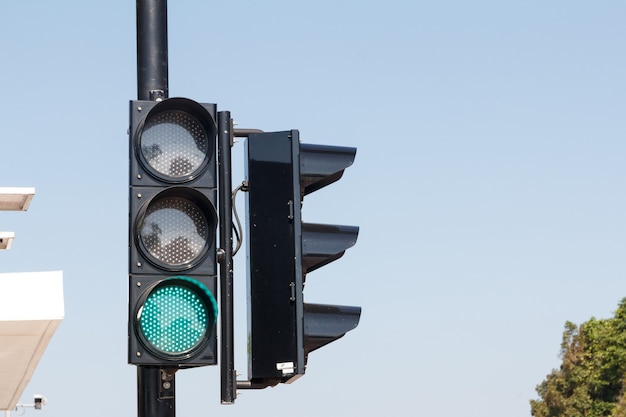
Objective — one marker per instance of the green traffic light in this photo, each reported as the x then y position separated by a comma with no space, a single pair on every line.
177,317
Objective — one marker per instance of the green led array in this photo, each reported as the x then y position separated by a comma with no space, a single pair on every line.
174,319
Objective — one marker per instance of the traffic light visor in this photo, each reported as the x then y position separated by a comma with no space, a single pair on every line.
176,141
175,317
175,228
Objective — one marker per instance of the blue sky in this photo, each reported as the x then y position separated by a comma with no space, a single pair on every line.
488,185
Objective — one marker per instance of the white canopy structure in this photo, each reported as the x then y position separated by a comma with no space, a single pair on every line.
31,309
13,199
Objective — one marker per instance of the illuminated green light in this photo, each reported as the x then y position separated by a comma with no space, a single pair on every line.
177,317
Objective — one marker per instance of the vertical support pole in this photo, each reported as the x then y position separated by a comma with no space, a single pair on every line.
155,386
155,392
227,360
152,64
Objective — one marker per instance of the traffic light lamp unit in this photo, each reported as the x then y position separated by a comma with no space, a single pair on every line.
282,328
172,308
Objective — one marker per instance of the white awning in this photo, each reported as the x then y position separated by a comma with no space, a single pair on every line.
31,309
16,198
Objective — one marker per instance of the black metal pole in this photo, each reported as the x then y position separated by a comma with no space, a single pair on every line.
152,64
243,133
155,386
155,392
227,359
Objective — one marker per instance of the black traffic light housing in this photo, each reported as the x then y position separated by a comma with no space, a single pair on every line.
172,234
282,328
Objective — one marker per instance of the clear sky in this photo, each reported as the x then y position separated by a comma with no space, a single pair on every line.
489,186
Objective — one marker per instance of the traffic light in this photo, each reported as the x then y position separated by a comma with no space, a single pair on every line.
172,306
282,328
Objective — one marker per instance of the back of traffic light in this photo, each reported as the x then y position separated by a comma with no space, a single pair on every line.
282,249
172,308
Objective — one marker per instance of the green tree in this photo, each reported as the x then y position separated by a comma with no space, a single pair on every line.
592,377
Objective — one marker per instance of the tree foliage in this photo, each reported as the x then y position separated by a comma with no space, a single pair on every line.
592,379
